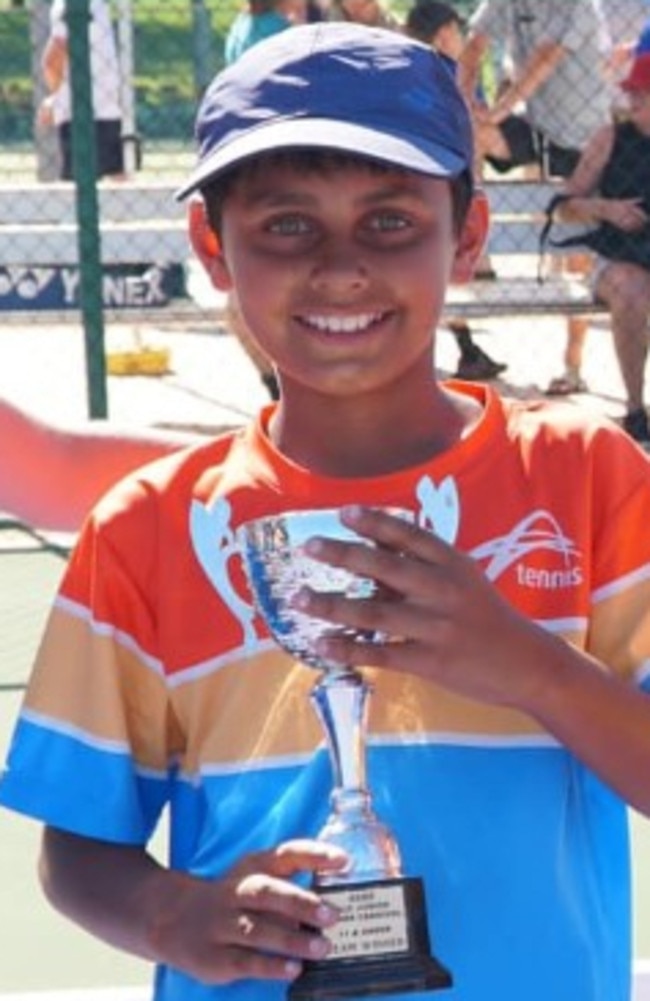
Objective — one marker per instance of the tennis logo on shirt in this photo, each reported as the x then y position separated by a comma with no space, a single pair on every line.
539,532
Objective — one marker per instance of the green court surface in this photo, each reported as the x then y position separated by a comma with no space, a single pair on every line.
40,950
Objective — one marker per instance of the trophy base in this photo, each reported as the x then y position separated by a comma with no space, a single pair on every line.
380,945
369,979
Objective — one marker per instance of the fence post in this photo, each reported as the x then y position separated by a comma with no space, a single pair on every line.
84,166
203,58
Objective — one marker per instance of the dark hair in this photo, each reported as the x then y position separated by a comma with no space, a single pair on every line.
427,17
215,192
261,6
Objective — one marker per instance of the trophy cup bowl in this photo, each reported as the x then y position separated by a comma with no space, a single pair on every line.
380,945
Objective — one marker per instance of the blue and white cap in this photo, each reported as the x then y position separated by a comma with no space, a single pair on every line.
335,86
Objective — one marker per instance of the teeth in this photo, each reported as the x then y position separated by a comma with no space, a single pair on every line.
342,324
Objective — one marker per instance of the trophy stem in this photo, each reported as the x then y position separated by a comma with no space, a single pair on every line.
341,701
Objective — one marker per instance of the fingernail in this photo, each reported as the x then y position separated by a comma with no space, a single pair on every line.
318,947
326,915
292,969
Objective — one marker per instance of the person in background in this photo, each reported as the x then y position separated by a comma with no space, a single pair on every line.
260,20
555,97
510,729
611,187
620,20
51,475
56,108
441,26
316,11
629,26
372,13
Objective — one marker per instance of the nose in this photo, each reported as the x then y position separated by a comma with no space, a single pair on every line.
339,270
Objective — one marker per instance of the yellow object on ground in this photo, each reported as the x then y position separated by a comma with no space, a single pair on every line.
139,361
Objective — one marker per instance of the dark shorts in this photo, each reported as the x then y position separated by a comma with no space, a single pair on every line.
527,145
108,149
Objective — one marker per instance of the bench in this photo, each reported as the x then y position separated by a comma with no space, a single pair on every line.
144,245
517,216
142,226
140,221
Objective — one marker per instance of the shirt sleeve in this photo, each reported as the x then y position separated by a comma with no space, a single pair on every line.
571,25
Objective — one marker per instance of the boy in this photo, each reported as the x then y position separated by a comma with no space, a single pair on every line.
500,755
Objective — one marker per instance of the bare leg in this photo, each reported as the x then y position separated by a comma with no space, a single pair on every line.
577,326
577,330
626,290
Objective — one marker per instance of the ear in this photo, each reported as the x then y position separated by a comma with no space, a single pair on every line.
472,239
206,245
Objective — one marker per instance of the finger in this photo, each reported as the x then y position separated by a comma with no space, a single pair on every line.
307,854
398,573
266,933
389,533
291,857
264,894
392,655
397,620
395,532
238,963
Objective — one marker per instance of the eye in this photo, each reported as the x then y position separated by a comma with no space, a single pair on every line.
289,225
388,221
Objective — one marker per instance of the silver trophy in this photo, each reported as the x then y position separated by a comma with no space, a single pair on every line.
380,945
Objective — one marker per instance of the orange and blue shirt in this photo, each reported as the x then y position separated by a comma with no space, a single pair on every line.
157,685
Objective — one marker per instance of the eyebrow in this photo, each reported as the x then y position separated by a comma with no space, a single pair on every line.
270,198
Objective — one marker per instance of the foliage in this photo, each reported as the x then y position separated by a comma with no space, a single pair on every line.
165,53
178,46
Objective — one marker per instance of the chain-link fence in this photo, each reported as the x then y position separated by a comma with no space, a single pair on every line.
147,64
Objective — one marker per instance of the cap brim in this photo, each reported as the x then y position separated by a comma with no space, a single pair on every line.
322,133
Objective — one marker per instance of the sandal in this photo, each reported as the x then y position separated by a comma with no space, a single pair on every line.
565,385
486,274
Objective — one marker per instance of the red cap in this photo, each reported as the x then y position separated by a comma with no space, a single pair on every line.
639,76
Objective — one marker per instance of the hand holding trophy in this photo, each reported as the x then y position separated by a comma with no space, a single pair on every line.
381,942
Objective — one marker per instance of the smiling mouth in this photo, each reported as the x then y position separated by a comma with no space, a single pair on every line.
356,324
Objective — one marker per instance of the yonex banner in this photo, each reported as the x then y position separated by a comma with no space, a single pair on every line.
57,287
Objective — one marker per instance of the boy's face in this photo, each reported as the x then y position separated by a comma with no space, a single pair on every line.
449,40
294,10
363,11
340,273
